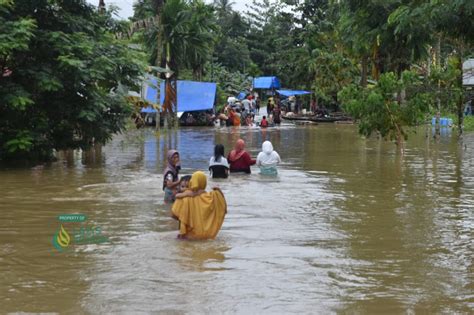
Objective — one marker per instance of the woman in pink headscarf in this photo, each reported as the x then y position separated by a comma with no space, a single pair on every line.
170,176
239,159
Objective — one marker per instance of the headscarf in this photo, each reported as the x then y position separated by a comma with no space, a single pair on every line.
267,147
201,216
238,151
268,157
198,181
170,167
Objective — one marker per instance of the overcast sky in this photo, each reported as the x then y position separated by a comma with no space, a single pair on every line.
126,6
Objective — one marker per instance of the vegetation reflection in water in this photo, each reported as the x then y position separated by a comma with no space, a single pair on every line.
348,225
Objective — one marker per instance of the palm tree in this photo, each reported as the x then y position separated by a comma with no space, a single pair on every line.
201,38
223,7
182,37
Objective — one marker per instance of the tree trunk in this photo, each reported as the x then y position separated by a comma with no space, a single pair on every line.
438,51
101,6
460,97
158,63
438,100
376,63
437,125
363,75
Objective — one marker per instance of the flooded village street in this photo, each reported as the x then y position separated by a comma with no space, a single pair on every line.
350,225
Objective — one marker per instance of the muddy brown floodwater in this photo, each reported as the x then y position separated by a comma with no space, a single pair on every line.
348,226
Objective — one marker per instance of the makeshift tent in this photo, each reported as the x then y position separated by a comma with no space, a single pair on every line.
292,92
192,95
266,83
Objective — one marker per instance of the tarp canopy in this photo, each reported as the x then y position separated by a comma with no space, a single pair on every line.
191,95
292,92
266,83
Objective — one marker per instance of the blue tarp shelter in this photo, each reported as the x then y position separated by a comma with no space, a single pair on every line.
192,95
266,83
292,92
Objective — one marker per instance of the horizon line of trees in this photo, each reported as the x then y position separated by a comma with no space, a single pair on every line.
327,46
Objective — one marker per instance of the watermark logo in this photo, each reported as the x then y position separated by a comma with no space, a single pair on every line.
71,218
78,233
61,239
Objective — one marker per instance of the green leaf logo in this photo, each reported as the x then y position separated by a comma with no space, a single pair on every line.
61,239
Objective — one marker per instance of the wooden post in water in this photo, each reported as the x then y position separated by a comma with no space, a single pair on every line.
158,114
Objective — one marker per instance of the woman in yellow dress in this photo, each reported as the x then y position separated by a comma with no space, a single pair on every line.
200,213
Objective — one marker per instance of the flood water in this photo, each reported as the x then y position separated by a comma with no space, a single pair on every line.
350,225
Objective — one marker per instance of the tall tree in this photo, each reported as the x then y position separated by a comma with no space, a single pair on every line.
182,39
231,49
60,67
455,20
223,8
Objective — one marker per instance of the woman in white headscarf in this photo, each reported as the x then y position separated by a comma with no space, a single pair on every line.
268,159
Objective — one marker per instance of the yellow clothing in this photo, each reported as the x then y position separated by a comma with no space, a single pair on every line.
201,216
198,181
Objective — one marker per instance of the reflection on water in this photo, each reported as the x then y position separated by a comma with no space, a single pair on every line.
349,225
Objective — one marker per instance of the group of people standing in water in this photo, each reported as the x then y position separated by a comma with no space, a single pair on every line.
201,213
239,160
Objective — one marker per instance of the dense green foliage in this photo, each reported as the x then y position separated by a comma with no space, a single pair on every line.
469,123
184,34
382,109
327,45
60,67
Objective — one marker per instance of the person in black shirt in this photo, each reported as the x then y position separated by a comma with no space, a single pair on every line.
218,165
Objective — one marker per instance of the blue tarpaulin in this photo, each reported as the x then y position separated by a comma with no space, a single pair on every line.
191,95
241,96
292,92
266,83
150,93
148,110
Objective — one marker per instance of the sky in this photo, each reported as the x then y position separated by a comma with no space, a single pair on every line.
126,6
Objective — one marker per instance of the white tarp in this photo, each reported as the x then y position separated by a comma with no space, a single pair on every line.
468,72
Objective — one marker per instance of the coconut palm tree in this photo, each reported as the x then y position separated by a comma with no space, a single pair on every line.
223,7
182,37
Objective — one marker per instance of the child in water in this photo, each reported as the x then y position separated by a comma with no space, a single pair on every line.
170,176
184,189
183,184
264,122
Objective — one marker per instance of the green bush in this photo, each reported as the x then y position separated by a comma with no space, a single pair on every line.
468,123
381,108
